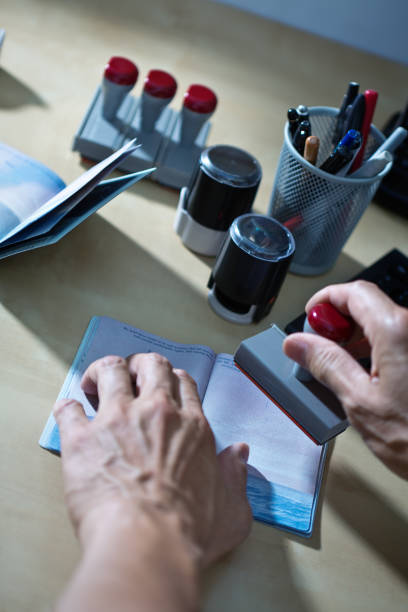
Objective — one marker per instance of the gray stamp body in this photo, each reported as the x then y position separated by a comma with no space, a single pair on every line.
309,403
161,144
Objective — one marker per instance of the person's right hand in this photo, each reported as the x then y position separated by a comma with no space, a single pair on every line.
376,402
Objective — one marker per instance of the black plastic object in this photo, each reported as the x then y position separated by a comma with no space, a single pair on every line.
252,264
389,273
393,190
223,186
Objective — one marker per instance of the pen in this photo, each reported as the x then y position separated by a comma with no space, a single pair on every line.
293,120
294,222
337,160
393,141
373,166
303,112
343,155
302,132
355,117
348,99
370,97
311,150
351,140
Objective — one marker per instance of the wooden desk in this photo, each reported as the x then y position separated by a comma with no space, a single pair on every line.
127,262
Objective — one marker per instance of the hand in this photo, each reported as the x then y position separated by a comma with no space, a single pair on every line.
375,402
150,449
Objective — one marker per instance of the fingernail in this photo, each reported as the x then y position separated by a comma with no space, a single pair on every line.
243,453
63,403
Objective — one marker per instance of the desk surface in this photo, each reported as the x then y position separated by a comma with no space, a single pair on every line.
127,262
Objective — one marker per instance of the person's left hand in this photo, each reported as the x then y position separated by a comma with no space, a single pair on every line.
150,450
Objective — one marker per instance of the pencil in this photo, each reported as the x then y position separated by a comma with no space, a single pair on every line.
311,149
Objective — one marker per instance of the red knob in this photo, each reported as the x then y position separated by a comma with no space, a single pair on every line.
160,84
328,322
121,71
200,99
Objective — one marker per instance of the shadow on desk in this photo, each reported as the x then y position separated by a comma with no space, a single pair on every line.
96,270
257,576
345,268
14,93
54,291
262,571
370,515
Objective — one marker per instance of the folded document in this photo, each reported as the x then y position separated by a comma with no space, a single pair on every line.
37,208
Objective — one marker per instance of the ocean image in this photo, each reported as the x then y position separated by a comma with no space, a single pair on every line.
280,506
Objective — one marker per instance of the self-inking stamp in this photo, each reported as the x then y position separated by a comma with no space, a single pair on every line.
171,141
158,90
311,405
119,78
186,138
151,119
222,188
250,268
102,129
198,105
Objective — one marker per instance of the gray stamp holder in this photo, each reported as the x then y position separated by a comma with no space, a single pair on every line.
320,209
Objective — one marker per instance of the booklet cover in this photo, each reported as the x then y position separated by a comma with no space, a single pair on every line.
37,208
285,467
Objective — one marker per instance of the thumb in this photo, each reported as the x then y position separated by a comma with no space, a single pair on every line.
233,465
328,362
234,471
234,516
71,419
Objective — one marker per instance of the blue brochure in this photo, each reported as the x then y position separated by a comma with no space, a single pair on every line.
37,208
285,466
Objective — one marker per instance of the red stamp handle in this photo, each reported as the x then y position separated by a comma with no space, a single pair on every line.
330,323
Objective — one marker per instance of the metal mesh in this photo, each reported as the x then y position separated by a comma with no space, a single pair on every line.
320,209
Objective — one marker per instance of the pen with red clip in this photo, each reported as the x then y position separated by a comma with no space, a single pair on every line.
370,96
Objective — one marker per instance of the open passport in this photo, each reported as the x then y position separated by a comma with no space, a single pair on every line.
37,208
285,466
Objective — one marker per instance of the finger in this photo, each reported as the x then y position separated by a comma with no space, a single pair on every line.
235,519
233,466
189,398
364,302
70,418
233,462
328,363
109,378
152,372
339,294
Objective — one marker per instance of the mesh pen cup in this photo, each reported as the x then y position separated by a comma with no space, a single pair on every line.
320,209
